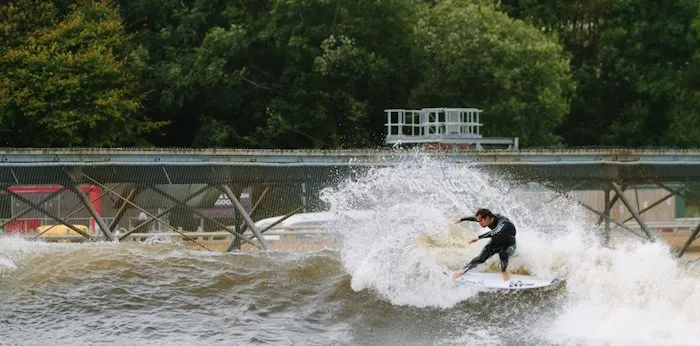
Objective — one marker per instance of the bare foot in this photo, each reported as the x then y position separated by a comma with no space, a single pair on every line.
506,276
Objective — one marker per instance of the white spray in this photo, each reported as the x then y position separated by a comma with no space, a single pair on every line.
634,293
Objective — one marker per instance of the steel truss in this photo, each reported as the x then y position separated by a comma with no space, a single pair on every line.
127,201
618,190
223,171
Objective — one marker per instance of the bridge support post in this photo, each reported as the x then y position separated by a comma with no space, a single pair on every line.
122,210
91,209
606,216
694,233
159,215
202,215
144,211
661,200
227,190
609,203
693,236
240,229
292,213
75,211
632,210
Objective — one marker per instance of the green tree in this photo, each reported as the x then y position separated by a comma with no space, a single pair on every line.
646,51
21,18
578,26
476,56
287,74
633,63
178,78
338,74
68,84
684,127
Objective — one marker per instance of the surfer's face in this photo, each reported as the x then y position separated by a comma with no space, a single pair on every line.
483,221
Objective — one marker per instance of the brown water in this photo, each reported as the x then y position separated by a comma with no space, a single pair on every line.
384,286
86,294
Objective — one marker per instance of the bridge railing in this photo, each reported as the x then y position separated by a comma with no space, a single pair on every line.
456,126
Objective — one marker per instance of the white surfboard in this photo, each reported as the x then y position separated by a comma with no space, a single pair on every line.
495,282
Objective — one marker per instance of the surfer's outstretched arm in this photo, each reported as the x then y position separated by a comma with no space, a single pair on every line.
467,218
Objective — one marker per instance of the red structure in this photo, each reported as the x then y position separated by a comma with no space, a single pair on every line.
29,224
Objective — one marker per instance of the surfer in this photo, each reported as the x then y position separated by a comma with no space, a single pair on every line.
502,242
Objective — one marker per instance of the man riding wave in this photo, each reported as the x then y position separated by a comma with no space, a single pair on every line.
502,233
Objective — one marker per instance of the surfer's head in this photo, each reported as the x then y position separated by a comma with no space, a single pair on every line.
484,217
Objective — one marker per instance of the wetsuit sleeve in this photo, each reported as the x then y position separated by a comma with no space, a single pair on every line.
468,218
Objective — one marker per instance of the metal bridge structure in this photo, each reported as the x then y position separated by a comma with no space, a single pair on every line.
154,183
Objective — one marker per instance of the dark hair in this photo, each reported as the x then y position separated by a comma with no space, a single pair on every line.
483,212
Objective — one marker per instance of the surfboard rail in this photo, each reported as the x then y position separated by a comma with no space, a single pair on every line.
495,282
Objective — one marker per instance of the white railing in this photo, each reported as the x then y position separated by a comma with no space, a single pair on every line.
440,125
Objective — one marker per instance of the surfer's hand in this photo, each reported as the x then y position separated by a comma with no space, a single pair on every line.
458,220
473,240
457,274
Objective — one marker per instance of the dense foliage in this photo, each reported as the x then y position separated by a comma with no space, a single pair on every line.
319,73
635,64
67,81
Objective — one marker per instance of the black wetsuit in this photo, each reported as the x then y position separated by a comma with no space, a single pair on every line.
502,242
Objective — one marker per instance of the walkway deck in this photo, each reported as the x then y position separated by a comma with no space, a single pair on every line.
216,166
